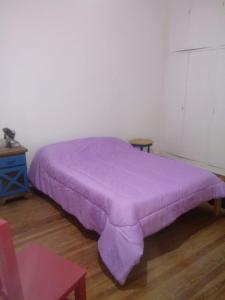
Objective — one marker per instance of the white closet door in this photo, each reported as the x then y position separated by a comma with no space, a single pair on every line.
217,130
198,106
207,24
175,96
179,21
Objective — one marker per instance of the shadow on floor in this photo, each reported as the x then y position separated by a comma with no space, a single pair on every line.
156,245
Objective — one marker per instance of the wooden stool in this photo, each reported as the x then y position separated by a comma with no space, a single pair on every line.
142,143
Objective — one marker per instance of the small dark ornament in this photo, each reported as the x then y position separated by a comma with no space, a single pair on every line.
9,136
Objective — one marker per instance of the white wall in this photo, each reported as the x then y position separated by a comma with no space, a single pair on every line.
78,68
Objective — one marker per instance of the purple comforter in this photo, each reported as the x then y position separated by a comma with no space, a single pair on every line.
120,192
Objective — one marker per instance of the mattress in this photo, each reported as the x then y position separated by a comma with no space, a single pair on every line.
120,192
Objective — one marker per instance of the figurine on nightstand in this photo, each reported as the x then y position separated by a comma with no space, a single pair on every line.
9,136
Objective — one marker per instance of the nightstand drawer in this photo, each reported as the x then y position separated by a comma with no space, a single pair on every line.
12,161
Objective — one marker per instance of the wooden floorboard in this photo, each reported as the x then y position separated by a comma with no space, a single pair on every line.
184,261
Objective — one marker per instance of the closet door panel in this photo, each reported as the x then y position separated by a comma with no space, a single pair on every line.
179,21
217,130
198,106
207,23
175,95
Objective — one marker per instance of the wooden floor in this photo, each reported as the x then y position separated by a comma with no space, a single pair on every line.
184,261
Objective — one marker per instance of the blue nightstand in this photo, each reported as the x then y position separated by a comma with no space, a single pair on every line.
13,173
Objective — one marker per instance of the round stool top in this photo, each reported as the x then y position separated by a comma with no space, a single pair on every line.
141,142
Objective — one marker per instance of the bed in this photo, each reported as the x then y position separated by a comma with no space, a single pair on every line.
120,192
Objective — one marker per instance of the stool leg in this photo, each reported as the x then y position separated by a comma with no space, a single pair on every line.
217,206
80,290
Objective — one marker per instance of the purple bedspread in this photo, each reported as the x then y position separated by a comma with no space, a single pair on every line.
120,192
